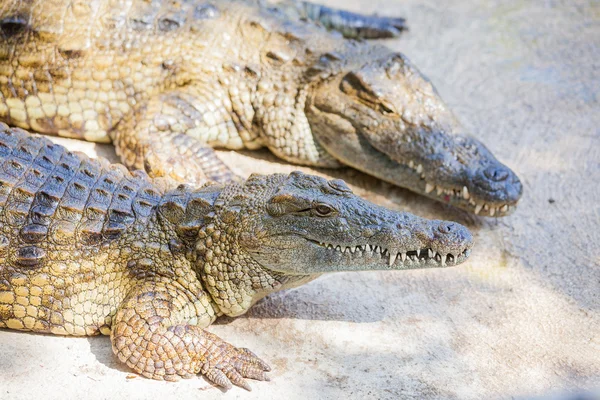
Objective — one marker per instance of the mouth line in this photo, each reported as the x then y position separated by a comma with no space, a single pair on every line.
417,258
460,196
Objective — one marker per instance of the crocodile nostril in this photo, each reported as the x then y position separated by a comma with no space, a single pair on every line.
446,227
496,174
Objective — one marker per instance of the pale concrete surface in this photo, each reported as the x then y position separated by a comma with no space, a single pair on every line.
520,319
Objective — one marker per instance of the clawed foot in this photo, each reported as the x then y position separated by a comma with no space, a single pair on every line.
195,169
232,365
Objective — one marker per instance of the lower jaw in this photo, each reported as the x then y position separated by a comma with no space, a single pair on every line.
414,180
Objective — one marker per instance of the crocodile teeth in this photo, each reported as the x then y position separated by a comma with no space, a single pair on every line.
420,256
419,169
492,211
478,208
465,193
411,164
429,187
504,208
439,190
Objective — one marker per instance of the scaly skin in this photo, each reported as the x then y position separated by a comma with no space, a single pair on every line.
162,80
89,248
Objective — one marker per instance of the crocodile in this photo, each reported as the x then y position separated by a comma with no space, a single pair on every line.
87,248
167,81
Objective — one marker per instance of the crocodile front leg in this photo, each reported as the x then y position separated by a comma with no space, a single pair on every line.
158,332
160,136
349,24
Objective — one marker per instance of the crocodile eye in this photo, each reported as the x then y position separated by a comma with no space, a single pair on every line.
323,210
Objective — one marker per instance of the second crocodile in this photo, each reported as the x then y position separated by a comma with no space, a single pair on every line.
164,79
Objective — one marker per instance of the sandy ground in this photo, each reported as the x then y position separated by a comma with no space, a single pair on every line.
520,319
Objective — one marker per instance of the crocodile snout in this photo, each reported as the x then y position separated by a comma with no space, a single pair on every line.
497,184
496,173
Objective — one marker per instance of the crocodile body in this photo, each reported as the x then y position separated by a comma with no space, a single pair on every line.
89,248
166,81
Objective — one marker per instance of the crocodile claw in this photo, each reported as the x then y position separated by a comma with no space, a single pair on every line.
234,364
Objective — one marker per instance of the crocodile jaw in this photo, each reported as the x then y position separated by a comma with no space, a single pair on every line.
352,134
356,151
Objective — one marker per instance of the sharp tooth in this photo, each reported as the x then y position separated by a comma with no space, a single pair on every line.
422,176
448,257
382,250
430,253
348,249
492,211
419,169
465,193
374,249
403,256
504,208
486,207
338,248
358,248
438,257
411,164
429,187
478,208
414,258
392,259
439,190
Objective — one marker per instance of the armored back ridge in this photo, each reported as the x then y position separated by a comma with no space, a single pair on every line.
167,81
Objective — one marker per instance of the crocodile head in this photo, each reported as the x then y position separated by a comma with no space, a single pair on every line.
387,119
287,229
